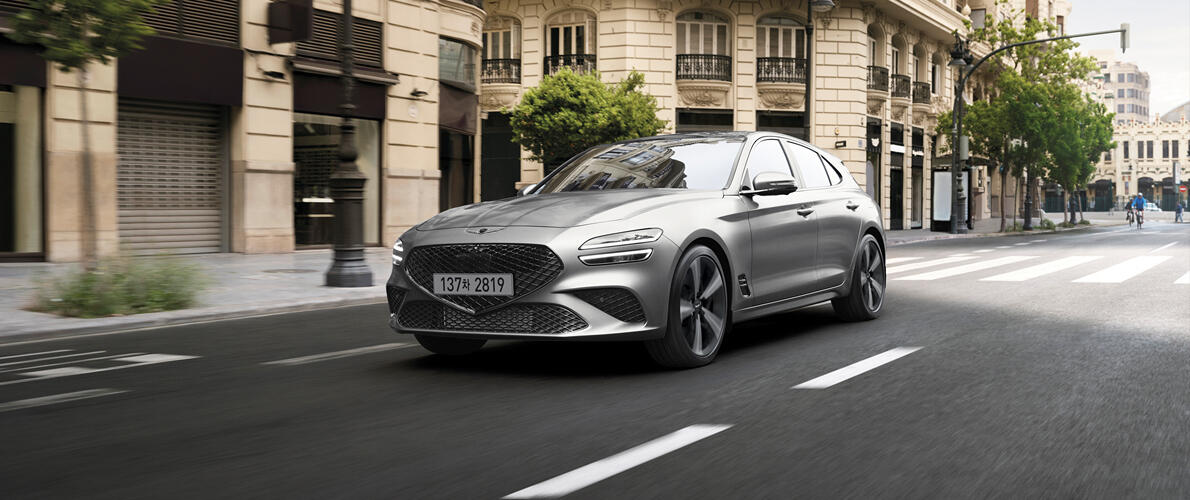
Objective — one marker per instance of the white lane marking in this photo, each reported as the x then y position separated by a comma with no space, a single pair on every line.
337,354
67,362
1001,247
896,260
1124,270
38,360
967,268
1184,280
1163,247
919,265
34,354
597,471
57,399
857,368
132,360
1037,241
985,250
959,255
1020,244
1043,269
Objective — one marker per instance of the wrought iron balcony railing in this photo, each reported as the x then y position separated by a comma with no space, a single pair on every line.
704,67
780,69
878,78
901,86
921,92
500,71
578,63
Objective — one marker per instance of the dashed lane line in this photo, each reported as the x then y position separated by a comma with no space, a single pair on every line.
597,471
984,250
129,360
38,360
314,358
70,362
14,356
856,369
57,399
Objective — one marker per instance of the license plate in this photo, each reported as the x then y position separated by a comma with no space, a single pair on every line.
473,284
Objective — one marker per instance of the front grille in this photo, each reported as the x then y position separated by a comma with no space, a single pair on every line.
531,266
517,318
395,296
616,302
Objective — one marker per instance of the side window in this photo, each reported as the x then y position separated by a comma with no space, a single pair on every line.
832,171
813,172
766,156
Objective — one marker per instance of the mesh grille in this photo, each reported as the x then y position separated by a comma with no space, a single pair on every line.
531,266
517,318
395,296
616,302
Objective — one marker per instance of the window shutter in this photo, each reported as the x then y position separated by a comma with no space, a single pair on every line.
324,43
215,21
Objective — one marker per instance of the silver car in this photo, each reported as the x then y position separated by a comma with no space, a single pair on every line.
666,240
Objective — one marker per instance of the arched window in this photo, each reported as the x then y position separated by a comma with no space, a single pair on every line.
780,49
703,33
501,50
570,41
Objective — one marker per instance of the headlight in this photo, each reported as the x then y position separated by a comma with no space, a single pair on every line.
398,252
620,239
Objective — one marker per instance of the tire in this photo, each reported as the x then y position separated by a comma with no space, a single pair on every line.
699,312
865,296
449,346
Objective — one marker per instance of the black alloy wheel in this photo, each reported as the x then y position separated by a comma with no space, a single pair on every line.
699,312
865,297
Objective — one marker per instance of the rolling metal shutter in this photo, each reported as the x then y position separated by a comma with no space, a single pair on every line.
170,178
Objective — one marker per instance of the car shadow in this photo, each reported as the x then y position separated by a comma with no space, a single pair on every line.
614,359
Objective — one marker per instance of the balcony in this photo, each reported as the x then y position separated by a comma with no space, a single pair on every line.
780,70
878,78
578,63
901,86
921,93
500,71
477,3
704,67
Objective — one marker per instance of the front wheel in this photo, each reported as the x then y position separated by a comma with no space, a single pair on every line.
865,297
699,312
449,346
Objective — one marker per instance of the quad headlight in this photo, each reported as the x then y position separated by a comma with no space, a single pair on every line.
398,252
620,239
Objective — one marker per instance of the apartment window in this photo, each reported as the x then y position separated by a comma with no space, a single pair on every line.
1150,143
502,38
456,62
1119,78
896,61
567,33
872,51
1107,155
702,33
1131,92
1165,149
978,18
1107,77
1175,149
1120,108
1119,92
934,78
779,36
1125,148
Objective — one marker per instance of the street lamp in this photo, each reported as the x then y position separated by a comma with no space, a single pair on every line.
349,268
819,6
961,58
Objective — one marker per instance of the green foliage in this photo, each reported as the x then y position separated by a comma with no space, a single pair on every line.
76,32
1084,222
1066,225
1046,224
121,287
570,112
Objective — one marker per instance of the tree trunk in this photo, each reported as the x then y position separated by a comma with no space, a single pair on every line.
1016,199
90,241
1003,193
1081,216
1029,204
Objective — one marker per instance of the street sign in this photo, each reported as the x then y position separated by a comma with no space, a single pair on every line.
1182,188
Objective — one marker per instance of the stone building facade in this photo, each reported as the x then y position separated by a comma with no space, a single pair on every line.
1150,158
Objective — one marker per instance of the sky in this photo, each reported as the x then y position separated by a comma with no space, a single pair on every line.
1160,41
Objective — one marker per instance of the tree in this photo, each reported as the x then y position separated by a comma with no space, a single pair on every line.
570,112
75,34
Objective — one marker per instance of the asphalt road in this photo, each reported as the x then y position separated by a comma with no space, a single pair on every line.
1049,386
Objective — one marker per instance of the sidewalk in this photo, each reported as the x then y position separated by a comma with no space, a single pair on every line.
252,285
991,228
239,286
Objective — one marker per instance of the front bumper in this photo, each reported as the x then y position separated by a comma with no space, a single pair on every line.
580,302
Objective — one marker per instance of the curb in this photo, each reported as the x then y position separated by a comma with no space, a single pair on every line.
947,236
179,318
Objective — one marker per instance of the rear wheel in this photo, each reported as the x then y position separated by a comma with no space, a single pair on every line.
449,346
868,279
699,312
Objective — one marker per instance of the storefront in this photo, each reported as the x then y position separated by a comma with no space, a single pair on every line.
22,83
315,155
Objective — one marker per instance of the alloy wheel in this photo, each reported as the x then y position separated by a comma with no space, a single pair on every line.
872,277
702,305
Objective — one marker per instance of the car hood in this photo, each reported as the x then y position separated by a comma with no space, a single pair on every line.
562,209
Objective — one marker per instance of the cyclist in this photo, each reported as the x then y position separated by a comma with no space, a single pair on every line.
1138,204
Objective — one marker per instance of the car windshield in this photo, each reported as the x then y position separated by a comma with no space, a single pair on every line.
678,162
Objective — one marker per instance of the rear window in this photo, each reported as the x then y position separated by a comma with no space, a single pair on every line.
699,163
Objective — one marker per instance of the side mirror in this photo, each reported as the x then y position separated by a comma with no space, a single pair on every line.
771,183
525,190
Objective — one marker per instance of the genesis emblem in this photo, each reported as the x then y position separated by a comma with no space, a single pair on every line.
483,230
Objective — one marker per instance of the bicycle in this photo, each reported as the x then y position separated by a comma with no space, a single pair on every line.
1130,216
1140,218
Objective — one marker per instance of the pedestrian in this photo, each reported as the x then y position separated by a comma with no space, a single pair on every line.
1177,214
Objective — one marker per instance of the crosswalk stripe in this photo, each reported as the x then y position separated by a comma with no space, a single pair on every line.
1124,270
967,268
919,265
1163,247
1184,280
1042,269
898,260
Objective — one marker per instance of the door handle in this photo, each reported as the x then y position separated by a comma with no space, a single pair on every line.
851,205
805,212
